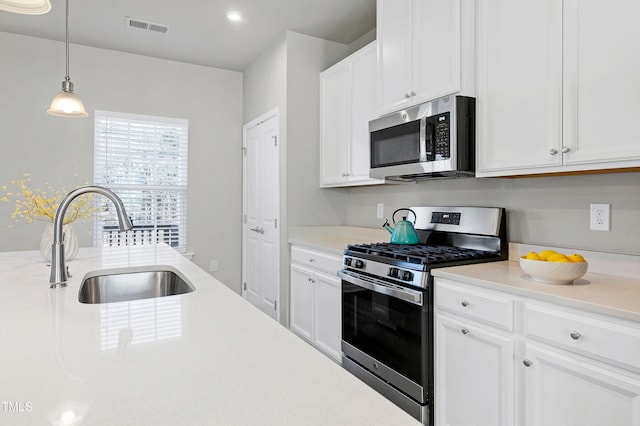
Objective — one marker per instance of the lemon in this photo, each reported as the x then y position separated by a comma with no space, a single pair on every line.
557,257
544,254
532,255
575,257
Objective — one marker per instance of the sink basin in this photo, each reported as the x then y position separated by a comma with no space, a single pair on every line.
132,284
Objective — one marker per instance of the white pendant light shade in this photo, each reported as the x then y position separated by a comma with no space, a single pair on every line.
66,103
26,7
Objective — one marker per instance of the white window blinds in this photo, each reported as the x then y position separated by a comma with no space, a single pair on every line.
143,159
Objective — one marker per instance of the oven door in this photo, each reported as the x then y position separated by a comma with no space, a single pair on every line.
386,329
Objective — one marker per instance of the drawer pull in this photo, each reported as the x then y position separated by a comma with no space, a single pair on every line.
465,331
575,335
527,363
312,260
465,303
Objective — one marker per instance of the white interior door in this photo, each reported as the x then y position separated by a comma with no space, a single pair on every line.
261,198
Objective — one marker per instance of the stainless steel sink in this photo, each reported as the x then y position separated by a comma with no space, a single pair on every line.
132,284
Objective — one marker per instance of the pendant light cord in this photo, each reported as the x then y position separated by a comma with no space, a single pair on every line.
67,40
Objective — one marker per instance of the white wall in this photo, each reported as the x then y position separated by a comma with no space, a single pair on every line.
53,149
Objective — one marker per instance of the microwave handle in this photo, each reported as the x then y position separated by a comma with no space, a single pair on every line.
380,287
423,139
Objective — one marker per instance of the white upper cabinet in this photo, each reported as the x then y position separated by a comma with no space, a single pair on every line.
519,100
419,50
557,88
602,83
347,104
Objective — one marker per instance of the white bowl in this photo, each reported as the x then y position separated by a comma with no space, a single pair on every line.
554,272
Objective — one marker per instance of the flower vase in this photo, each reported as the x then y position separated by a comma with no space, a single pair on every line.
70,242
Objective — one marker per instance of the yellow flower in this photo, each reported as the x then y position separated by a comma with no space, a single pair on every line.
38,205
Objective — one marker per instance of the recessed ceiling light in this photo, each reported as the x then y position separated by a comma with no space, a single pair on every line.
234,16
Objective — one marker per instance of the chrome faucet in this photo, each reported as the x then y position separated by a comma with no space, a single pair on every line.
58,277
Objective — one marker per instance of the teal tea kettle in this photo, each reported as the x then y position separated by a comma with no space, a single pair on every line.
404,232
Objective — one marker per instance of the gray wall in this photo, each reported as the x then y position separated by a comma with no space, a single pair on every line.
551,210
53,149
286,76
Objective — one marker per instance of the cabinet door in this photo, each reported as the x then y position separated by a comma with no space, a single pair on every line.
363,110
302,302
327,314
436,49
519,103
562,390
334,117
473,375
602,84
395,52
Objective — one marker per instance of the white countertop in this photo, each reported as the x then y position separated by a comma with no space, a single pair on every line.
334,239
598,293
206,357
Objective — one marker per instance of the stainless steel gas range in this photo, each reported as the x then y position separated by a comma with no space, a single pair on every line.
387,299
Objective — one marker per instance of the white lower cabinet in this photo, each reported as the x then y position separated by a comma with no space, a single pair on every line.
474,378
561,389
315,299
556,366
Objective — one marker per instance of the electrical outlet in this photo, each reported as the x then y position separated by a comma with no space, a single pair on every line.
380,210
600,217
213,265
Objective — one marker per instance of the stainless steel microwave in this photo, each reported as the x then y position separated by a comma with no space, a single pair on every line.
431,140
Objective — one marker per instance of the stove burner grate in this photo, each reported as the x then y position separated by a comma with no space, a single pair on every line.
420,253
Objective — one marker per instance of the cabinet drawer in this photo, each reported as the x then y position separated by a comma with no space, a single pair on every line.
485,305
324,262
612,340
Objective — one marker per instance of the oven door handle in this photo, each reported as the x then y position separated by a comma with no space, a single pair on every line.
379,286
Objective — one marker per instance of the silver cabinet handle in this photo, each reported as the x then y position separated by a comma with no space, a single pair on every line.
311,260
553,151
407,96
465,303
527,363
575,335
256,229
565,149
412,93
464,331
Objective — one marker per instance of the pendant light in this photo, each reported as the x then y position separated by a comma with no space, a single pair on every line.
26,7
66,103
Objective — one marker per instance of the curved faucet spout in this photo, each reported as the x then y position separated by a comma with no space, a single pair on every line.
58,277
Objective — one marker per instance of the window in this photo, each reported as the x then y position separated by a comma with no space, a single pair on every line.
143,159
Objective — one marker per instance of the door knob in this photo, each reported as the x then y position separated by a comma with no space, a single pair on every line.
565,149
553,151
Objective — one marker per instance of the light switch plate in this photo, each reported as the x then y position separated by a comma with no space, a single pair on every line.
380,210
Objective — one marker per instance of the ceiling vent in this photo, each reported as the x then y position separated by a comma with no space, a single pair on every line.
140,24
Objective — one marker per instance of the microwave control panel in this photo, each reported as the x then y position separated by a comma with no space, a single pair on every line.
441,136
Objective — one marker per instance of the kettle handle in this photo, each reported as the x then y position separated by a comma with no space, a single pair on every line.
393,216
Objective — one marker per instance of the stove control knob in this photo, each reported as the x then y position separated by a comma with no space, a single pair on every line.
394,272
347,261
407,276
358,264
